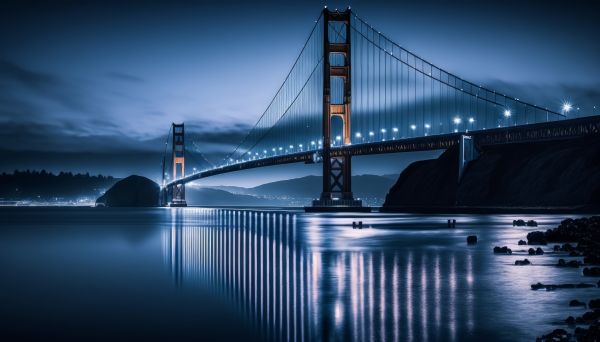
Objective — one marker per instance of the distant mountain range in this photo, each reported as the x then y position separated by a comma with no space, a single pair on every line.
292,192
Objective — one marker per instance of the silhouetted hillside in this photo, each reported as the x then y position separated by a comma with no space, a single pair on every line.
299,191
216,197
545,174
42,185
133,191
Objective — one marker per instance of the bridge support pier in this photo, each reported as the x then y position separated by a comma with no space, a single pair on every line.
466,153
337,170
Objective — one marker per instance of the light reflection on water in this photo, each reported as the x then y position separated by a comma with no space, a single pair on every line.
294,279
217,274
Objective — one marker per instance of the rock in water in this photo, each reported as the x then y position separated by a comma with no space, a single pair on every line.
472,239
133,191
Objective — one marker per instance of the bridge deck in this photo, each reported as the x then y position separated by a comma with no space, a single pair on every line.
555,130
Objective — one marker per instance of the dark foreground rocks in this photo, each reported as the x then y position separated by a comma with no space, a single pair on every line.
502,250
551,287
585,232
472,239
523,262
133,191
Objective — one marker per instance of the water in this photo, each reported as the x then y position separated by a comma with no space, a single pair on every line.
193,273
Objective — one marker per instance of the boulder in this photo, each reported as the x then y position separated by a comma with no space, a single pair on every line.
591,271
523,262
522,242
471,239
556,335
502,250
518,223
531,223
133,191
536,238
594,304
575,302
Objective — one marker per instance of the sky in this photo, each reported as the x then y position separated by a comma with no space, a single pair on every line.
93,86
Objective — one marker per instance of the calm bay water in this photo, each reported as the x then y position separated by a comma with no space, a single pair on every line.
224,274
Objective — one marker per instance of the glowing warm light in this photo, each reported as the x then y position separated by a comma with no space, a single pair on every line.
395,129
566,107
413,127
371,134
428,126
507,113
471,120
358,135
312,143
338,138
383,130
457,120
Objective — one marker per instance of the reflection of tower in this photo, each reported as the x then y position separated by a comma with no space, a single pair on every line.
178,165
173,248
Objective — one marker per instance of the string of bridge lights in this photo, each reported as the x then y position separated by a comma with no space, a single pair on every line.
369,137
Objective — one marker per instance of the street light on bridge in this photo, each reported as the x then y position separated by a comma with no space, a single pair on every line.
566,107
427,127
457,120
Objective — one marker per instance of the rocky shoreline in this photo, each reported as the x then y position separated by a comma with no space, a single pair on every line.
579,238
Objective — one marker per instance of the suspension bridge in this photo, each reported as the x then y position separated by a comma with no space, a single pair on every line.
353,91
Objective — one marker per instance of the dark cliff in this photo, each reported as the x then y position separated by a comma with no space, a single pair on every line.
133,191
546,174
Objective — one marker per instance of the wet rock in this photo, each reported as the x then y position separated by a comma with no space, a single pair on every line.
566,247
572,263
522,242
556,248
539,251
502,250
551,287
536,238
558,335
570,320
519,223
591,334
575,302
471,239
531,251
591,271
523,262
590,316
531,223
594,304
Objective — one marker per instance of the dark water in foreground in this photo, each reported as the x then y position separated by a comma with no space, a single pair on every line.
192,273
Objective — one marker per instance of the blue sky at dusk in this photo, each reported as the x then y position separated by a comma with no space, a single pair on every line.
92,86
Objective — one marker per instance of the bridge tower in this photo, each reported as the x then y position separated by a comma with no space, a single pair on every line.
178,190
337,185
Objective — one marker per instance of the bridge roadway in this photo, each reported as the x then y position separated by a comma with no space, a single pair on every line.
554,130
